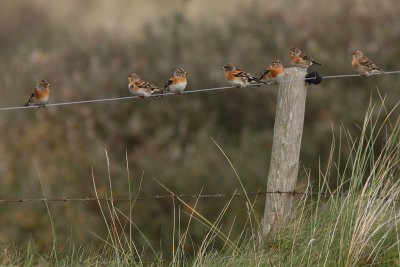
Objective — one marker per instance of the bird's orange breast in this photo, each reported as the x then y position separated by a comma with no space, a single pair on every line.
231,75
176,80
276,71
296,59
40,94
354,62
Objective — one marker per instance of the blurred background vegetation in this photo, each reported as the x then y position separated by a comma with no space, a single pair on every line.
87,49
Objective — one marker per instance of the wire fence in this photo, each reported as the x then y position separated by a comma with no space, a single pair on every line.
184,92
183,196
155,197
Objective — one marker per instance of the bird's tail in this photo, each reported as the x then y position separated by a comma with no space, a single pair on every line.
378,71
256,82
264,74
157,91
168,83
264,82
29,101
315,63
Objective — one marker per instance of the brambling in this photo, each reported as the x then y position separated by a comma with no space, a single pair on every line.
139,87
40,94
177,83
274,72
238,77
363,65
299,59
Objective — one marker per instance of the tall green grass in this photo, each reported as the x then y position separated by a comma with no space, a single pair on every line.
354,222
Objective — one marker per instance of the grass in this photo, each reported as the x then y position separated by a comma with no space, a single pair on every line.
354,223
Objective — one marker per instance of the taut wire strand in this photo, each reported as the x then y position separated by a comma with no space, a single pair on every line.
184,92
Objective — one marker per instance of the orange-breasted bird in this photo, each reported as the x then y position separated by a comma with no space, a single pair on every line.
274,72
40,94
177,83
363,65
299,59
140,87
238,77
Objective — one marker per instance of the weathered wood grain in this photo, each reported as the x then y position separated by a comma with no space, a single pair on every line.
284,164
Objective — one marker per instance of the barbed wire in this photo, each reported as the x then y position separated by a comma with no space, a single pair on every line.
185,92
155,197
158,197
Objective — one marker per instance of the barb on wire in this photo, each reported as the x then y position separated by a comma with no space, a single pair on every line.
184,92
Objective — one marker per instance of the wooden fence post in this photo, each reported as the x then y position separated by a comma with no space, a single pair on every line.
288,130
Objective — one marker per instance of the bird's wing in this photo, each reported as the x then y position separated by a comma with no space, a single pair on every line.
146,85
245,75
364,61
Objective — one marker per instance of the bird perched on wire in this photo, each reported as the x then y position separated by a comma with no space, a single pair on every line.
239,78
299,59
273,73
177,83
141,88
40,94
364,65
